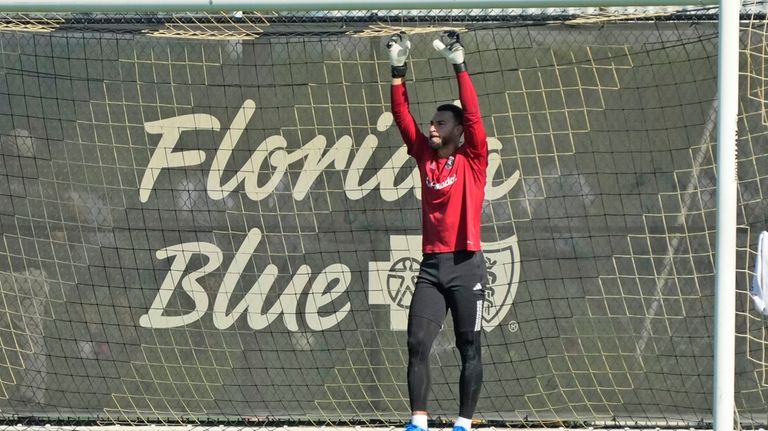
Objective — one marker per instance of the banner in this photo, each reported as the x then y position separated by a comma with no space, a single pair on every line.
231,229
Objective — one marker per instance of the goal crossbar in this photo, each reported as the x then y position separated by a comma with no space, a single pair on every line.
299,5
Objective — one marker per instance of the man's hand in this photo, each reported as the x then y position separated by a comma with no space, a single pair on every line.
398,47
454,52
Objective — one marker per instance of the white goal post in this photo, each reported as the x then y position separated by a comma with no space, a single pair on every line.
727,103
725,243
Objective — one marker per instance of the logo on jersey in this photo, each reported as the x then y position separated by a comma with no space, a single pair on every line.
442,184
439,185
392,282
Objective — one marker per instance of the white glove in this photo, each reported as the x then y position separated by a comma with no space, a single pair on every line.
454,52
398,46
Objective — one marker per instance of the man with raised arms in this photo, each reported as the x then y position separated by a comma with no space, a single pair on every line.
453,271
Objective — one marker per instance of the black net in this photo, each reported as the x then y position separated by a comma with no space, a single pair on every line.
210,218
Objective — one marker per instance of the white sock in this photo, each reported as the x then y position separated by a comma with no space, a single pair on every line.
464,423
419,420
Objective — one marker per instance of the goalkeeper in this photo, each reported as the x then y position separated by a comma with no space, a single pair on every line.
453,272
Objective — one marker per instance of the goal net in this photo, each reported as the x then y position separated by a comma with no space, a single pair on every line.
211,218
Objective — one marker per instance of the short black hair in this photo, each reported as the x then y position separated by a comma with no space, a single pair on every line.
458,113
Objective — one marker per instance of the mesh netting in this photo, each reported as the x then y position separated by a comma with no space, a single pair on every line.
210,218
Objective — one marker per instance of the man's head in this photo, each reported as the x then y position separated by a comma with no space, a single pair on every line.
446,128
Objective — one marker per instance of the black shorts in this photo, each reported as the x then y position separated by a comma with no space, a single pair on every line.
451,281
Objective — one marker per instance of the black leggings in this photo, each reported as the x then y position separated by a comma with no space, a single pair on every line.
421,335
456,282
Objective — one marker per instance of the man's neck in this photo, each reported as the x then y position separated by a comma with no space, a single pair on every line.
446,151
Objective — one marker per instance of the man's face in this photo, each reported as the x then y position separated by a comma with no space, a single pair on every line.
444,130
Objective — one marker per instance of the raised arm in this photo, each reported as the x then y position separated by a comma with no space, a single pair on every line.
474,131
409,130
475,137
398,47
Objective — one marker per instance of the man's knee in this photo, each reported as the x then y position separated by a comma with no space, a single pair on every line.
421,334
468,343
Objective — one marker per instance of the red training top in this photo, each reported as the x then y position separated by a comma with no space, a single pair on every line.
453,188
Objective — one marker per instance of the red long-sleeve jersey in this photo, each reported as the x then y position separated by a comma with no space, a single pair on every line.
453,188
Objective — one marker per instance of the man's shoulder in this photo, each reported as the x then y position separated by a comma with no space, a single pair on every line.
470,148
420,150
